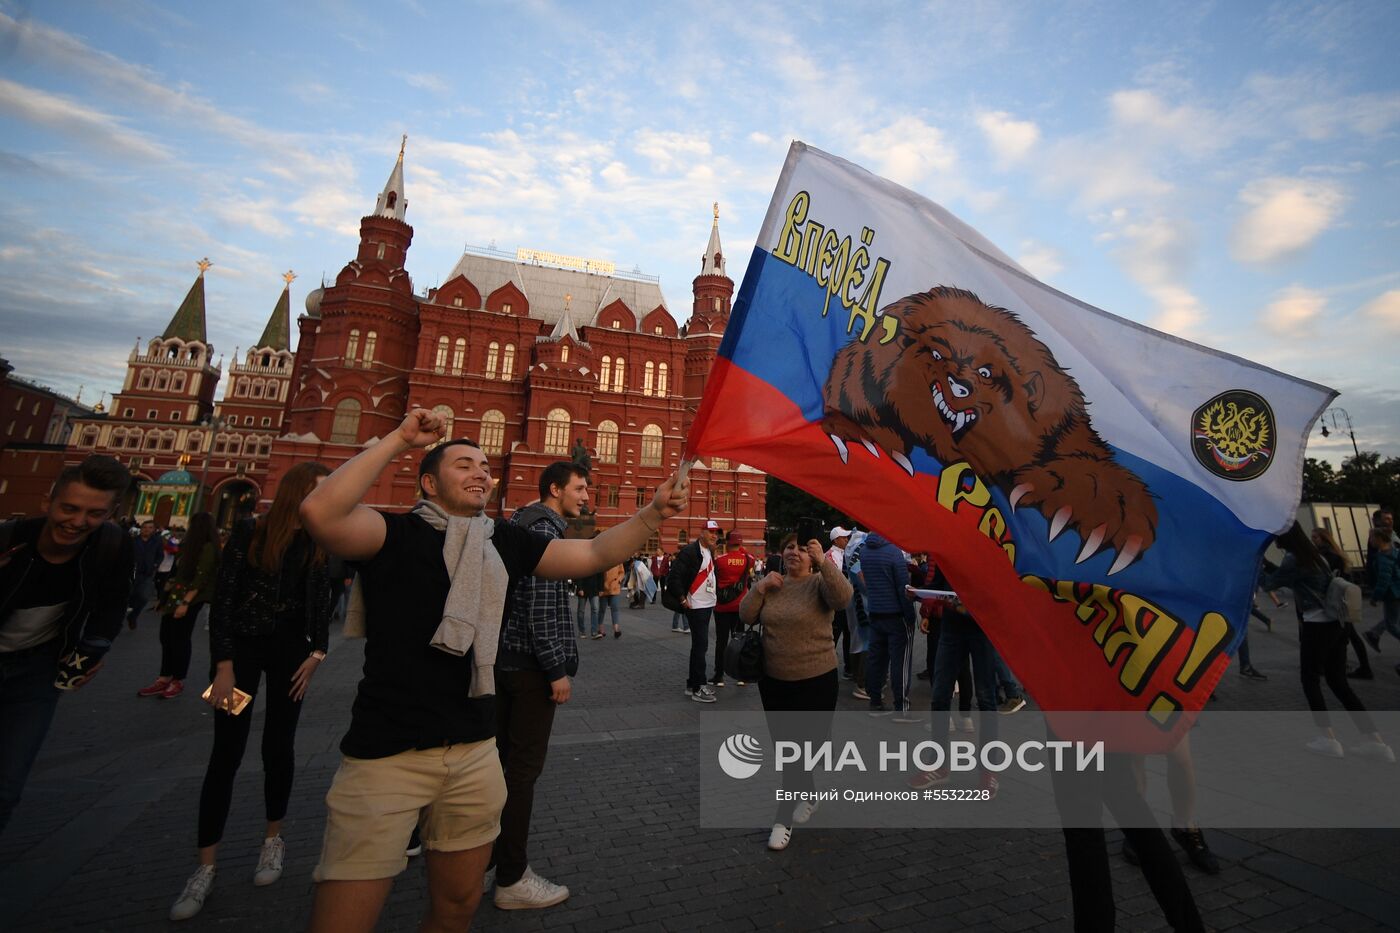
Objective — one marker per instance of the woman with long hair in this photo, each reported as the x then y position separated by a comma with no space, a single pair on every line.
1322,647
270,617
795,609
1338,562
190,587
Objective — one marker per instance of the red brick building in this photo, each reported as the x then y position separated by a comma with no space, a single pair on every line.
35,424
528,354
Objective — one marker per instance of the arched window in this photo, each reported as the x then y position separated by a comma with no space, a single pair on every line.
167,440
607,442
178,383
605,374
441,362
618,365
556,432
152,441
493,432
493,359
346,427
459,355
265,448
352,346
508,361
651,445
256,391
564,353
146,377
370,339
89,437
194,443
661,373
162,381
235,445
380,254
133,440
648,377
389,203
241,388
447,418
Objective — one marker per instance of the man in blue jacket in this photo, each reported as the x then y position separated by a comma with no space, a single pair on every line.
64,582
891,613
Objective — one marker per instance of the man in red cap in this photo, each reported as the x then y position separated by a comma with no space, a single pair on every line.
733,570
692,583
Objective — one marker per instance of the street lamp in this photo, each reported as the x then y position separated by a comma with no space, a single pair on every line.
1346,417
213,427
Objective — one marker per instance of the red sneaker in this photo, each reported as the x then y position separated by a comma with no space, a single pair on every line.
172,690
153,690
922,779
990,784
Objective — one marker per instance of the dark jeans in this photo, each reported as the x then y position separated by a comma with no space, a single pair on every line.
813,695
175,642
143,590
1363,660
1080,797
1322,647
889,654
959,638
841,634
278,656
524,718
726,624
964,680
699,621
27,701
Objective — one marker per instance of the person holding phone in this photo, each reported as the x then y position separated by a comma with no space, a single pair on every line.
270,616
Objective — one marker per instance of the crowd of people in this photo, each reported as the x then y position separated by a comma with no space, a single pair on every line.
450,728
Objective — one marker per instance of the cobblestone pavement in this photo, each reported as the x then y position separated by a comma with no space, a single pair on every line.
104,837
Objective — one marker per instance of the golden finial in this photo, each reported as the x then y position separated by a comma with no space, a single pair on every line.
101,406
716,212
288,276
403,142
204,265
567,299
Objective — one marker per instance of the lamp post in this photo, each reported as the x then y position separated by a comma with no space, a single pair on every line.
214,427
1346,417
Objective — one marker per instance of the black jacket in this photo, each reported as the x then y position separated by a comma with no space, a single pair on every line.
251,603
684,566
104,580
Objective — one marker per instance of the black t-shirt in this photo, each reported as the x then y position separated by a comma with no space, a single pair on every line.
413,695
36,610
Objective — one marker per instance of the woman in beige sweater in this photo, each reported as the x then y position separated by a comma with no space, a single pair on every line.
799,658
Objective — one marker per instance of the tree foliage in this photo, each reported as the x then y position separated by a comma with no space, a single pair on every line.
1363,478
787,504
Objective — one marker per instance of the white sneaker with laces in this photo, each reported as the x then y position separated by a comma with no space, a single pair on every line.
531,891
1377,750
270,861
191,900
703,694
804,811
1326,747
779,838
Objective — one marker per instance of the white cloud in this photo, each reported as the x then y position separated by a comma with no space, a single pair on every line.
1384,311
1294,312
1157,253
1284,216
426,82
77,121
1010,140
907,151
1042,261
671,151
260,214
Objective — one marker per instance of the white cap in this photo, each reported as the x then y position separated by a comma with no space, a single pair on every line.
839,532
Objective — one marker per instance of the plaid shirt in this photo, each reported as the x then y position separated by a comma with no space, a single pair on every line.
539,631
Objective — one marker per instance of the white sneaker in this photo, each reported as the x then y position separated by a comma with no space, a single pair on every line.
860,694
804,811
1377,750
779,838
531,891
965,724
703,694
270,861
1326,747
191,900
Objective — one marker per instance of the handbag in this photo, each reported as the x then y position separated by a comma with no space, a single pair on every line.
743,656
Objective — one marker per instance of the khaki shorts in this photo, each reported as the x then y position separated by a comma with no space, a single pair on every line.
374,803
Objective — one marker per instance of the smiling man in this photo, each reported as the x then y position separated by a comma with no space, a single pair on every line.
436,583
64,582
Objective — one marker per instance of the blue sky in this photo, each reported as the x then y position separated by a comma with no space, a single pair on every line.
1229,172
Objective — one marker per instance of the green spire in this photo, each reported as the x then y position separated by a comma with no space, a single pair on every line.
277,335
188,322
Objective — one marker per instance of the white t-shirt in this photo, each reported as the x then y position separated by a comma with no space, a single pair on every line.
703,595
837,555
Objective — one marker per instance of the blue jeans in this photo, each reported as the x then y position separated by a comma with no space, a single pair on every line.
958,638
679,623
610,603
1009,686
1390,619
699,620
590,603
888,652
27,701
143,590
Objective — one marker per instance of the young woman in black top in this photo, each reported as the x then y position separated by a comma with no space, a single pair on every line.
270,616
189,588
